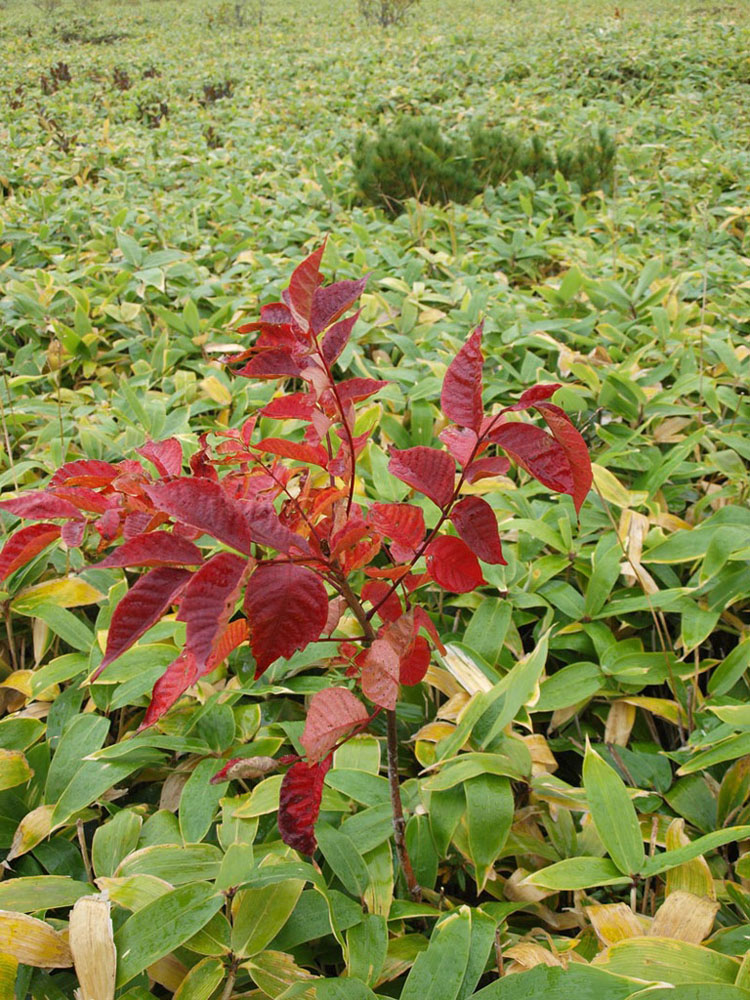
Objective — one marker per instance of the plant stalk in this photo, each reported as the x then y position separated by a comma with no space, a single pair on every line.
399,823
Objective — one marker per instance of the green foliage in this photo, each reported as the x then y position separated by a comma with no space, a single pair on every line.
385,13
412,158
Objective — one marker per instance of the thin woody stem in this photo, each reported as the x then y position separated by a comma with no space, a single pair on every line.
399,823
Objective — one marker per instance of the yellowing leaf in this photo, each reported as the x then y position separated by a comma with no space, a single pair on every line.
615,921
685,916
32,942
216,391
70,592
93,949
14,769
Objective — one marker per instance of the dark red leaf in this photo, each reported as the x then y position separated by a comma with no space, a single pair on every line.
271,314
287,608
461,442
482,468
297,450
538,453
24,544
452,564
302,286
336,339
208,602
536,394
413,666
428,470
332,301
268,530
296,406
461,396
381,596
403,523
423,620
299,804
142,606
108,525
355,389
85,472
176,679
205,505
332,713
38,506
574,447
166,455
380,674
476,523
273,363
85,498
72,533
154,548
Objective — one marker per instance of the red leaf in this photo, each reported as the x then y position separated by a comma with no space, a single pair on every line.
452,564
204,504
476,523
403,523
297,450
461,442
537,393
108,525
154,548
234,635
24,544
380,674
85,472
337,337
72,533
166,455
536,452
482,468
38,506
176,679
332,713
302,286
287,608
299,804
428,470
461,396
574,447
423,620
382,597
208,602
276,362
85,498
414,665
268,530
140,608
355,389
296,406
332,301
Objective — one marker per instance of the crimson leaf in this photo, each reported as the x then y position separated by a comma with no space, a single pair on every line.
287,608
332,301
24,544
332,713
154,548
414,664
299,804
428,470
208,601
336,339
476,523
140,608
38,506
574,447
538,453
176,679
380,674
302,286
166,455
204,504
452,564
461,396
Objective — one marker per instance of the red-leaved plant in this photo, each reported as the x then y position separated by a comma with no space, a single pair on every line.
285,551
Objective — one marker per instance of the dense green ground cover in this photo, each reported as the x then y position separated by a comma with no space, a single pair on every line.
145,212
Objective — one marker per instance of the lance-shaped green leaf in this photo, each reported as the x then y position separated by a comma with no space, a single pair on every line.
613,813
259,914
489,815
670,859
438,972
578,873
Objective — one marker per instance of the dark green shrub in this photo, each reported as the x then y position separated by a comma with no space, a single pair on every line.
412,158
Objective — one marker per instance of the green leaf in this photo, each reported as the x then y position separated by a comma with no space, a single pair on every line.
511,758
670,859
41,892
173,863
366,948
14,769
81,736
199,801
489,815
482,940
342,855
613,813
730,670
578,873
114,840
343,989
577,982
259,914
666,960
163,925
201,981
438,972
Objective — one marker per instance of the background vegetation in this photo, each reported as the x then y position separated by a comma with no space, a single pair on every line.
162,166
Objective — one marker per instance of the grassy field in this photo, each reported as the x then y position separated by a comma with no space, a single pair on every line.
163,167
